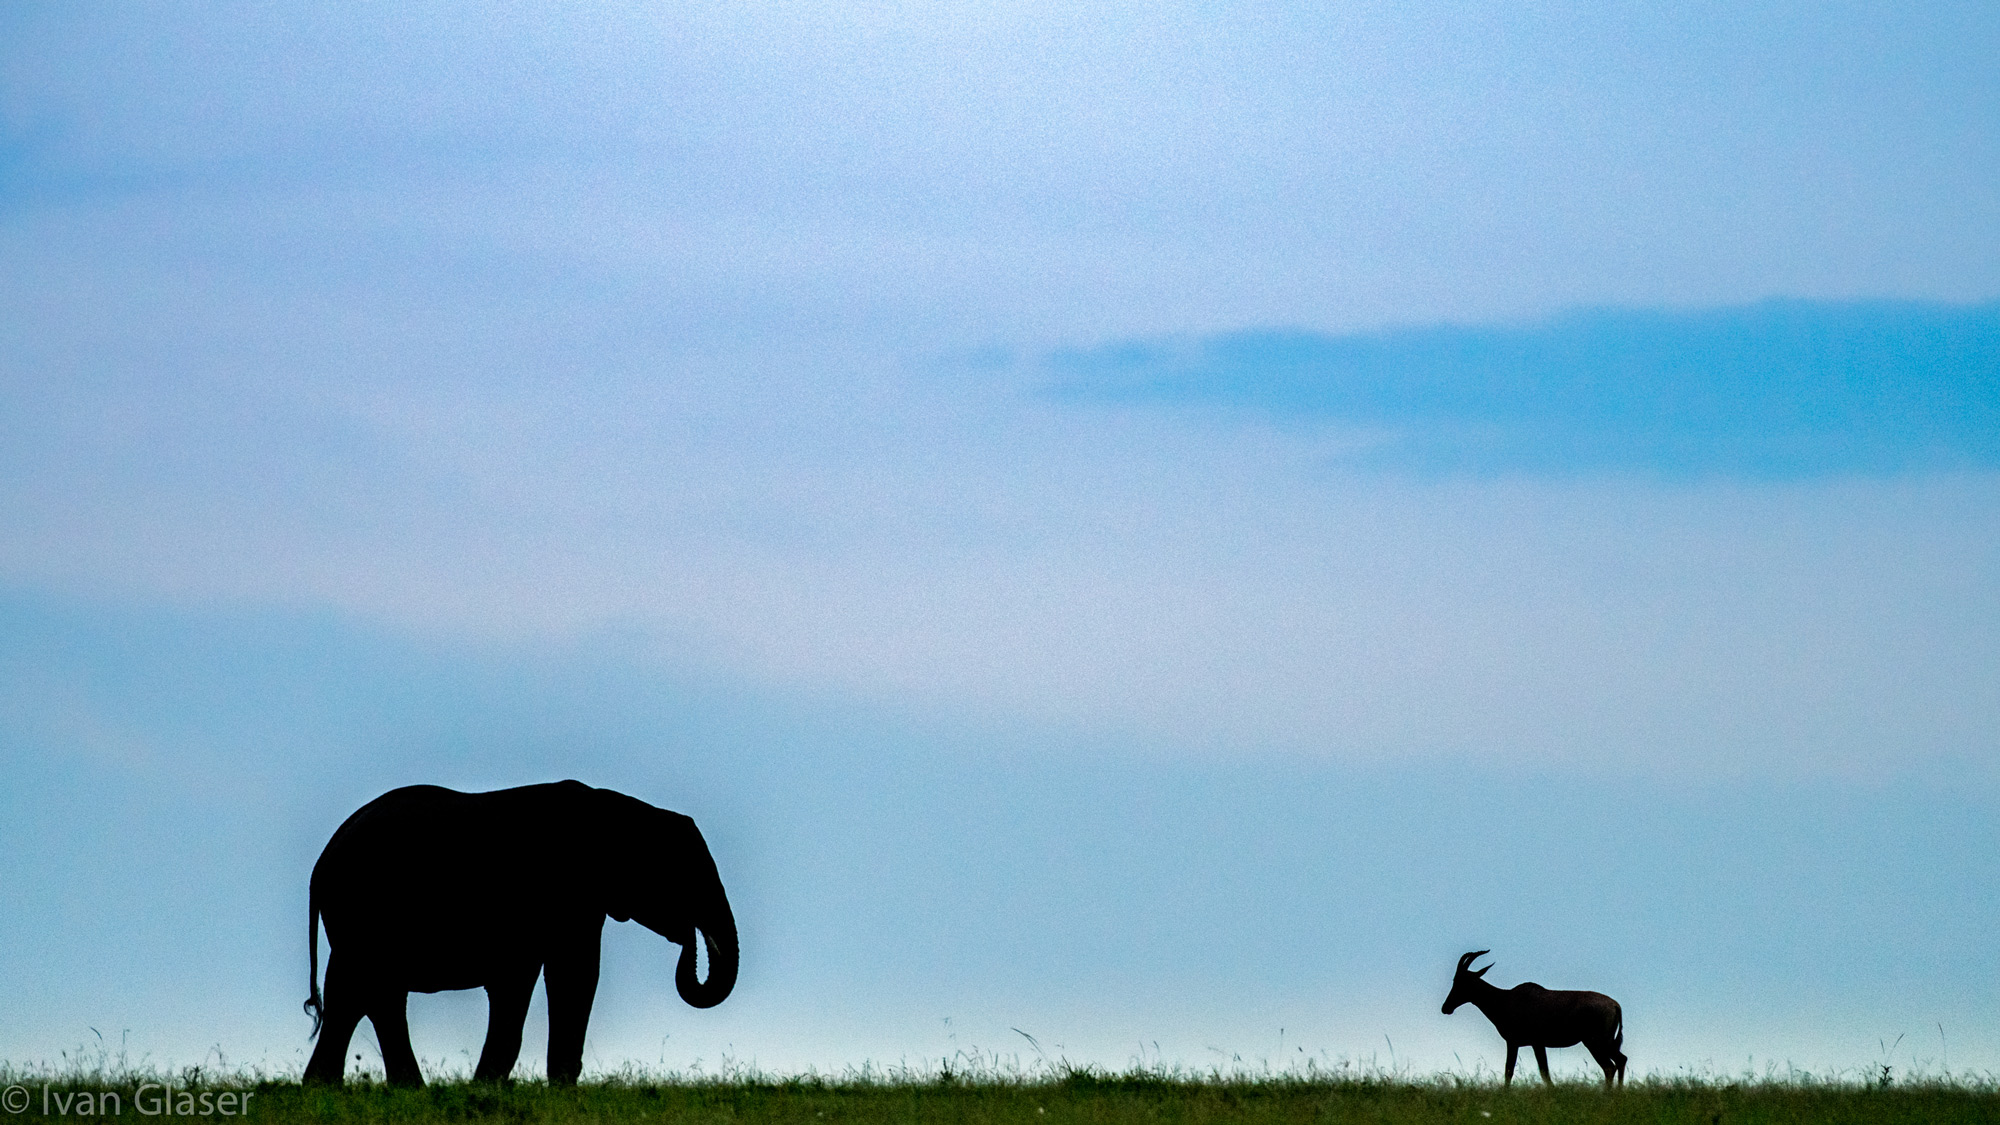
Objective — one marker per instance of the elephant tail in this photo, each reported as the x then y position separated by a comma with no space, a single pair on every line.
314,1006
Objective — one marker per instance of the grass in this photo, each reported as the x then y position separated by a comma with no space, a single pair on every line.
1063,1097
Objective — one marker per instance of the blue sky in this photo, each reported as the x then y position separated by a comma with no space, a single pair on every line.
1149,526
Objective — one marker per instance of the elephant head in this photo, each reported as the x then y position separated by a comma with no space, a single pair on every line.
663,877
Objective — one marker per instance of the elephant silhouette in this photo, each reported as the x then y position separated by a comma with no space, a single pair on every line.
426,889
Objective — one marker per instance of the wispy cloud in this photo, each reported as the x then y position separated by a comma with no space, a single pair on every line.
1777,389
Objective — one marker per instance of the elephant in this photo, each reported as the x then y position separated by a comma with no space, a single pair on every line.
426,889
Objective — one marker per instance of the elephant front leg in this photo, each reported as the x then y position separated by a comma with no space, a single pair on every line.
571,981
506,1013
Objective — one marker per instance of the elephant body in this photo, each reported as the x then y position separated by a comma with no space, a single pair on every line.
426,889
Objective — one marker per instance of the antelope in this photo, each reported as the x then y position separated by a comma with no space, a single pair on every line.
1528,1015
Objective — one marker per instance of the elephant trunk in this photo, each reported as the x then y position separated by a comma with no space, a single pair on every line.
718,932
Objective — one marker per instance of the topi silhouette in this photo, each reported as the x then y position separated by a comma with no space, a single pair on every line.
1528,1015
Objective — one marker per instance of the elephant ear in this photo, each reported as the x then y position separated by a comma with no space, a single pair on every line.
644,862
619,859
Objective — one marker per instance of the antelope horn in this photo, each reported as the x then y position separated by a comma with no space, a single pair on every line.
1465,962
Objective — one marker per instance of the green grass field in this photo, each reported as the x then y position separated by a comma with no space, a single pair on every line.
1078,1097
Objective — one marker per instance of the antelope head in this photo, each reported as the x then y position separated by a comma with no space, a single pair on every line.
1464,980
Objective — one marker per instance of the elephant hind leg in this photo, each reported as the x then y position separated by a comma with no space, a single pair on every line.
389,1012
340,1014
506,1015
